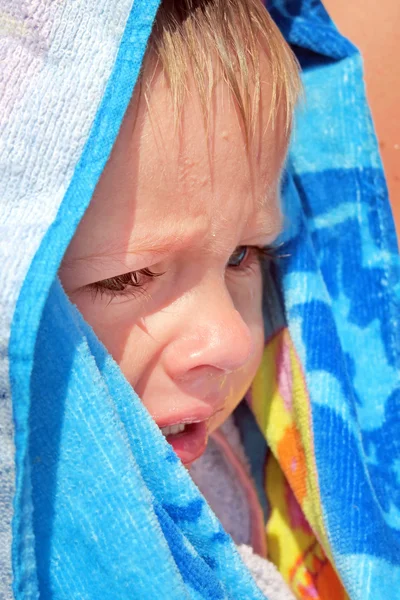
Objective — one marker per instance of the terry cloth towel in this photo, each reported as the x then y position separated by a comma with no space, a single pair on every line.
94,503
222,475
327,396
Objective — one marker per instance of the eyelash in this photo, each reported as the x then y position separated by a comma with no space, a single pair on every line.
255,255
127,284
133,282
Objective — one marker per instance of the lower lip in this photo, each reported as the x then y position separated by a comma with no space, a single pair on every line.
191,443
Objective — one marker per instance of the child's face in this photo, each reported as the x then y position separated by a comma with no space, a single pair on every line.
190,340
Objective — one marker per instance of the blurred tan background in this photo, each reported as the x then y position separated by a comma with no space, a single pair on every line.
374,27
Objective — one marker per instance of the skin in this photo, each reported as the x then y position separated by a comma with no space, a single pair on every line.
179,202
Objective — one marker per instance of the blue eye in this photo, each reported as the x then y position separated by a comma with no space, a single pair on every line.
238,256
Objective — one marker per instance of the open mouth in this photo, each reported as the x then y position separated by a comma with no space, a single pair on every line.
176,429
189,440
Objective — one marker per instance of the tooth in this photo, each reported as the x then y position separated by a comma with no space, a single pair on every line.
173,429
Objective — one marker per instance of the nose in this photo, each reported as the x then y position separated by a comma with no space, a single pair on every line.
212,337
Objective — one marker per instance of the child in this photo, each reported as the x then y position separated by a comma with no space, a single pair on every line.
167,257
165,267
166,264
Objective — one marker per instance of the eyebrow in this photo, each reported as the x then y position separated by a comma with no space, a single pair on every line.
136,247
158,245
112,253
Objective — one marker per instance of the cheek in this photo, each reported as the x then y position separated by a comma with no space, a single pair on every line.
108,329
246,293
117,330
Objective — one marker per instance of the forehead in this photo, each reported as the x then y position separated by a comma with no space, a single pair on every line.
168,175
210,139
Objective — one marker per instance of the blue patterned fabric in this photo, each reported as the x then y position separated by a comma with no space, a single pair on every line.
87,509
342,298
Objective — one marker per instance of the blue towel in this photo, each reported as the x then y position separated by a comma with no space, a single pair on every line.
87,510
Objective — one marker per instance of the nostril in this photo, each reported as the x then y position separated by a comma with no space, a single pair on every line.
205,382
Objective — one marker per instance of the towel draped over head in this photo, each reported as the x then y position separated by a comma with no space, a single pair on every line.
94,503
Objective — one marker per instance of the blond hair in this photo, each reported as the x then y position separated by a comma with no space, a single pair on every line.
191,34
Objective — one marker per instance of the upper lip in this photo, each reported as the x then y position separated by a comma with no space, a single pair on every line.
196,416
